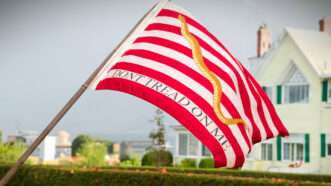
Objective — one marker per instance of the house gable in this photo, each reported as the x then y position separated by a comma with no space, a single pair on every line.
285,57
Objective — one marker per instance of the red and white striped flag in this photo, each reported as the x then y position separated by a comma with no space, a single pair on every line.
175,63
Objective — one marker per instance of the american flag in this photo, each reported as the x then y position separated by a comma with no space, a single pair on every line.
172,61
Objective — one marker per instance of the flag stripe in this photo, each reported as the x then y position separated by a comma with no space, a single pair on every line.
187,52
272,112
203,91
171,13
171,107
189,74
192,95
258,129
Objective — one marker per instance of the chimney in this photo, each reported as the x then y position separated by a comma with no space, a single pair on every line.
325,25
263,40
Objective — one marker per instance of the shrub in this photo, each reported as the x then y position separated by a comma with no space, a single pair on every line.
40,176
206,163
10,152
93,154
131,161
78,142
188,163
157,158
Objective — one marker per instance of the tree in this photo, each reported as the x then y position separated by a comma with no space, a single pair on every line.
158,137
158,155
93,154
0,136
78,142
10,152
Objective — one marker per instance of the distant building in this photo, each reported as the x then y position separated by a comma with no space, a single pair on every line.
296,75
45,151
63,144
114,158
51,148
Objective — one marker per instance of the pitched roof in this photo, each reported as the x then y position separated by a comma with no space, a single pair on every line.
316,47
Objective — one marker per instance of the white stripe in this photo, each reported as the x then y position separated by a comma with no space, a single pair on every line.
213,44
229,153
234,99
188,82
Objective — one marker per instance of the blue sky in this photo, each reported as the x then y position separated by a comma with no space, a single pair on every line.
48,48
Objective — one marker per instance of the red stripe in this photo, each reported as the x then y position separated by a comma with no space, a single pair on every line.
193,96
188,52
192,74
174,109
166,43
174,14
273,114
172,63
189,20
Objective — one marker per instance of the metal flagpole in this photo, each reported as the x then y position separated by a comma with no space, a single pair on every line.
12,171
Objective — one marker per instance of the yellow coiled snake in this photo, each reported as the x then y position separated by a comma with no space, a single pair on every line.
198,59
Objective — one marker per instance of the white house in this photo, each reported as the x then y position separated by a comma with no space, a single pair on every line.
295,72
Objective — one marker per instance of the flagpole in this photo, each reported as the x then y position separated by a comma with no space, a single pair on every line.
12,171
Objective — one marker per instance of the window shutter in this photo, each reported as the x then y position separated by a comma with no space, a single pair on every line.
279,94
279,148
323,145
324,90
307,148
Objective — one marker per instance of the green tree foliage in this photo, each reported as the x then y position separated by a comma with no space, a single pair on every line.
131,162
158,136
206,163
78,142
10,152
0,136
188,163
157,158
93,154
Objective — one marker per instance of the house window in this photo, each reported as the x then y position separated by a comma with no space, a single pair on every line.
205,151
182,147
296,93
293,151
328,144
187,145
296,87
268,91
193,145
266,151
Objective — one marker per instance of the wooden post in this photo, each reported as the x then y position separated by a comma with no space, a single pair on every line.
12,171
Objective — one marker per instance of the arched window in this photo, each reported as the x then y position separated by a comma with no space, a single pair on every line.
296,87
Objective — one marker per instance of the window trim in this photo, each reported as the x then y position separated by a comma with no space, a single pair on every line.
267,145
284,86
327,142
199,146
294,139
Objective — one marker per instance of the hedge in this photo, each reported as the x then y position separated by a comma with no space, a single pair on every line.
206,163
53,176
188,163
239,173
